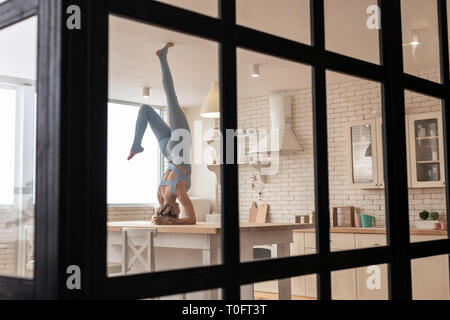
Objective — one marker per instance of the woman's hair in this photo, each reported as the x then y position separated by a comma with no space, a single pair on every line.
165,211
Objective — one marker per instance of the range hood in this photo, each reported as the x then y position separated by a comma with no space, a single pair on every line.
280,136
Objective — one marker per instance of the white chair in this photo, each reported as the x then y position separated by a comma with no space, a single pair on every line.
138,246
138,252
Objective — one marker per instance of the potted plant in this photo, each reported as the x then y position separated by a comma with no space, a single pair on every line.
427,220
424,215
434,215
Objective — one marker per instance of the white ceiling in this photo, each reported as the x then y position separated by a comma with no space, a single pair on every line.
134,65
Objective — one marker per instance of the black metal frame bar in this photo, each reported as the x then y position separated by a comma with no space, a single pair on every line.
72,186
47,149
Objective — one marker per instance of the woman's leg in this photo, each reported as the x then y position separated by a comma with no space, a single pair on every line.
176,115
147,115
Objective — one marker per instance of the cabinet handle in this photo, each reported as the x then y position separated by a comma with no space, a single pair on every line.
376,244
374,184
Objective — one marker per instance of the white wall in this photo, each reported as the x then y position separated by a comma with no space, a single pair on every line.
203,181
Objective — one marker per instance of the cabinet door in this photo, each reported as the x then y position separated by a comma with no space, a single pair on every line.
367,291
362,154
426,150
430,278
311,280
298,284
343,282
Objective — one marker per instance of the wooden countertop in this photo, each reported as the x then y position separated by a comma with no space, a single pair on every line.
204,227
376,231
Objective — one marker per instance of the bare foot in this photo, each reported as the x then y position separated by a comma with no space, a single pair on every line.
132,154
168,44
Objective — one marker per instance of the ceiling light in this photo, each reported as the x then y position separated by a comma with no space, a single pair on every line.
414,37
255,70
146,92
211,104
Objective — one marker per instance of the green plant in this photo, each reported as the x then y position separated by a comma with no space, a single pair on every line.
424,215
434,215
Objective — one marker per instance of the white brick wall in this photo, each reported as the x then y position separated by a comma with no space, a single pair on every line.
291,192
8,237
130,213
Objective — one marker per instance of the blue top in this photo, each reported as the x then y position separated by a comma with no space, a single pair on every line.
181,177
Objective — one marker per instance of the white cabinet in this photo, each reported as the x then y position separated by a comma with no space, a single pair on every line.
343,282
364,150
430,275
310,280
426,150
298,284
377,276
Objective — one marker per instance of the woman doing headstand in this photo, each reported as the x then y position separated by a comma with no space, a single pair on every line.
177,179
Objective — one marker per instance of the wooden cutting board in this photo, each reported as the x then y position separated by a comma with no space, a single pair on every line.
262,213
253,212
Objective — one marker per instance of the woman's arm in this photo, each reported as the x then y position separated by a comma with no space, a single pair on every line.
188,207
160,200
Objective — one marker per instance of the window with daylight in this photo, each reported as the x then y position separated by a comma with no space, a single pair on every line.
143,176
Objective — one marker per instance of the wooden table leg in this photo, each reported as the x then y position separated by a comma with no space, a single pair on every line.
284,285
210,257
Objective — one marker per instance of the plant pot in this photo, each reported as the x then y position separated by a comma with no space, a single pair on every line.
425,224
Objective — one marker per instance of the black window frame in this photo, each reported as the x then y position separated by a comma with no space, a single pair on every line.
72,135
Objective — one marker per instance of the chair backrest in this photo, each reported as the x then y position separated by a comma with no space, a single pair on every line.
138,247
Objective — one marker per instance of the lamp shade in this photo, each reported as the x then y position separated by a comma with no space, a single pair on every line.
211,104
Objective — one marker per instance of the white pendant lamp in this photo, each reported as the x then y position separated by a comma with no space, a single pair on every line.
211,104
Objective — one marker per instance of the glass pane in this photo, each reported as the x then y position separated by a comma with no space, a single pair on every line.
295,288
143,104
284,18
361,153
275,154
421,39
365,283
17,142
351,28
207,7
355,160
427,150
430,278
426,175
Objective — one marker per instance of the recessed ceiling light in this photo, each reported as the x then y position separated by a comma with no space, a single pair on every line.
414,37
146,92
255,70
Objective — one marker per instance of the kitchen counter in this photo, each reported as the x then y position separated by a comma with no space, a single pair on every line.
376,231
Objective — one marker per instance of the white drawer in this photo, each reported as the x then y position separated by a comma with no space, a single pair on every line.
342,241
338,241
370,240
421,238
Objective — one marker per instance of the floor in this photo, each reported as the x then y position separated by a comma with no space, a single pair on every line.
259,295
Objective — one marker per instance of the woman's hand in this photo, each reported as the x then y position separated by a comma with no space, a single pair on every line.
156,219
164,220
